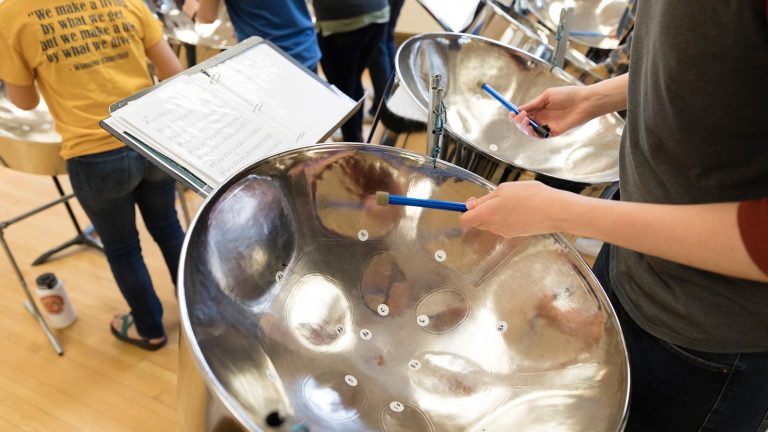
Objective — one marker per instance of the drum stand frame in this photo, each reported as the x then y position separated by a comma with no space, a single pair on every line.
81,238
84,238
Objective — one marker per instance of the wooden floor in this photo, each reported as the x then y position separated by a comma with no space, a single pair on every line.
99,384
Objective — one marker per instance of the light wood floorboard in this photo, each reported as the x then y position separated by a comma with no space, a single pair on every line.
99,384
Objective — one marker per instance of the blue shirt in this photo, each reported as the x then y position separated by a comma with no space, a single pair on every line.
284,22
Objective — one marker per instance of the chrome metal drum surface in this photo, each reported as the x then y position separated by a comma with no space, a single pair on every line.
598,16
178,26
306,307
486,18
495,23
28,139
479,136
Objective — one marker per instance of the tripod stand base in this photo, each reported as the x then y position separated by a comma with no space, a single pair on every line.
85,238
32,309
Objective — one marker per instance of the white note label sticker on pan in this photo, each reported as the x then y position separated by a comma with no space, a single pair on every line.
339,329
422,320
440,255
366,334
362,235
502,326
396,406
351,380
414,365
383,309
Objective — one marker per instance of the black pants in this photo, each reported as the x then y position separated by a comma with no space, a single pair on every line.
345,57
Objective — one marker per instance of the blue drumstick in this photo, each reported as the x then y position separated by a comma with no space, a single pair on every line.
384,198
542,131
587,34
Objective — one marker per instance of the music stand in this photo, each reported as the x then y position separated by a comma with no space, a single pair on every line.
315,125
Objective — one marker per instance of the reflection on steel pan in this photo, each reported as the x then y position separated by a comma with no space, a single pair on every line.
178,26
495,23
28,139
307,307
478,135
590,16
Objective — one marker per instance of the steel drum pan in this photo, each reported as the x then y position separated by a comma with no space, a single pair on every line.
28,139
179,27
306,307
486,18
496,23
478,136
598,16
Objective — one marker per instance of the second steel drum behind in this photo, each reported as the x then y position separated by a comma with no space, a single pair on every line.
479,136
28,139
495,23
590,16
179,27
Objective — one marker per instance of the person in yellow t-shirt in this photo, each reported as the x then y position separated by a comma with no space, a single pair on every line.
83,56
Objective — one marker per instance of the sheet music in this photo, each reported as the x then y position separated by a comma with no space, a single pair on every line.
215,134
235,113
256,74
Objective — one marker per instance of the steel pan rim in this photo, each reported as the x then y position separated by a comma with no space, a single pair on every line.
215,387
557,71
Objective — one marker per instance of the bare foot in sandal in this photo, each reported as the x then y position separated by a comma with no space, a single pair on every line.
123,328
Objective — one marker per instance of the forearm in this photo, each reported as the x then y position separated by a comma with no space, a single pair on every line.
608,96
208,11
166,63
704,236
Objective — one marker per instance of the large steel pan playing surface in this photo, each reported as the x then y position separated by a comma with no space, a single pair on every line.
307,307
479,136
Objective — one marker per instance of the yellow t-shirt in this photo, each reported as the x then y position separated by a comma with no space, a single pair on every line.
84,55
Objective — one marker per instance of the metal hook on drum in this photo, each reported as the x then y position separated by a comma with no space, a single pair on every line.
562,35
435,118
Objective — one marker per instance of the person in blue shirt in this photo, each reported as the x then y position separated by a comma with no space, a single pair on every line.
286,23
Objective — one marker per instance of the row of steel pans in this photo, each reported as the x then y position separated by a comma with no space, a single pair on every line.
534,32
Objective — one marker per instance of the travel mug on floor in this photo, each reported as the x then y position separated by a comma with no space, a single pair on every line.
55,301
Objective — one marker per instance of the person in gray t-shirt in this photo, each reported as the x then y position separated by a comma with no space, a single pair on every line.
691,297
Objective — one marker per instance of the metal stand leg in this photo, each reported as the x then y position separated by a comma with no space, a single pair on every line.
183,202
81,238
29,304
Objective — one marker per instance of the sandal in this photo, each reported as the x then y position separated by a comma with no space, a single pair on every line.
142,342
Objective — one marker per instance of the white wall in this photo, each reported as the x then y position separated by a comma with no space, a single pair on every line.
414,19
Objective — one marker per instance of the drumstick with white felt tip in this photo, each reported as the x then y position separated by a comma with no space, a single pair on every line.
384,198
541,130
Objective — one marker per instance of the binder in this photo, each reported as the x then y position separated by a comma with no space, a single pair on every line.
209,122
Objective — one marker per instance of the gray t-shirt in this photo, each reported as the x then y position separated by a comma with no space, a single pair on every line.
696,132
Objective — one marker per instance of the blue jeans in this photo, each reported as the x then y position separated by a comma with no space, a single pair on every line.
109,185
679,389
